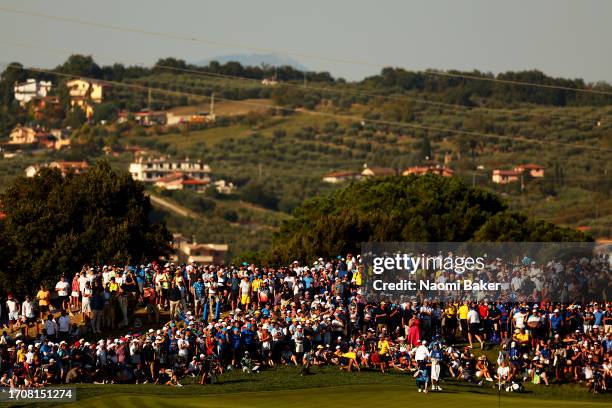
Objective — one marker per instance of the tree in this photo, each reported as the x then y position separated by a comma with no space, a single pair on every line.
425,148
54,225
259,193
413,209
75,117
81,65
12,74
107,111
517,227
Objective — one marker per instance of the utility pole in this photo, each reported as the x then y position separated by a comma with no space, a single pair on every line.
149,98
212,104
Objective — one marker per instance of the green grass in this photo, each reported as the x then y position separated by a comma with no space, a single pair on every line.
283,387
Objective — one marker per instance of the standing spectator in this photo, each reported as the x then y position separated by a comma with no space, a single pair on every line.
174,296
86,301
63,326
75,293
463,319
473,318
197,289
12,306
61,288
97,310
50,327
44,300
28,316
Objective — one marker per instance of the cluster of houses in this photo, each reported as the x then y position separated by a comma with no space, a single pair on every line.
498,176
514,175
369,172
176,174
64,167
37,96
83,93
86,94
148,117
54,139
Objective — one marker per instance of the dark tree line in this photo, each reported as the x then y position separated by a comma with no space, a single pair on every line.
468,91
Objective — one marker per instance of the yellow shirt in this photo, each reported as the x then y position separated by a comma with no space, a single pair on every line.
357,278
113,287
383,347
43,297
256,284
463,312
451,311
522,338
21,355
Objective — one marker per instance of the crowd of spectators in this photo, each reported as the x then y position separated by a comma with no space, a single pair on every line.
251,318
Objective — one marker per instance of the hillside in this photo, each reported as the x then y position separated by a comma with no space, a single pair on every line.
276,142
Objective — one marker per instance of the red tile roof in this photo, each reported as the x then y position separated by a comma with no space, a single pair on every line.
194,182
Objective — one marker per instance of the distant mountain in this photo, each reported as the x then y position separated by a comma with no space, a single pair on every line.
274,60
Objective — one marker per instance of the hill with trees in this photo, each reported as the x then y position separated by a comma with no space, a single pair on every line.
412,209
55,224
287,136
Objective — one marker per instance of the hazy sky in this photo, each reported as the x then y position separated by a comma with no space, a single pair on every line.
559,37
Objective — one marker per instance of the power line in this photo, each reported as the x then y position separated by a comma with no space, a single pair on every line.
401,98
291,53
323,114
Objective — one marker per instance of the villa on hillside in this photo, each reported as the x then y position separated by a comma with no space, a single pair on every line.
144,117
84,94
30,89
504,176
22,135
150,169
181,181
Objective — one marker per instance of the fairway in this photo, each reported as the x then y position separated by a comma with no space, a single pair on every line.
327,387
354,396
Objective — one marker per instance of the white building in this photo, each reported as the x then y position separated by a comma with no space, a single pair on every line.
30,89
149,169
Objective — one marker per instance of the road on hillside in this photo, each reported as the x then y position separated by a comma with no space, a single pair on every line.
175,208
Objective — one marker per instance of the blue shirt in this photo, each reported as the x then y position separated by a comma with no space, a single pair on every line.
555,322
599,315
198,289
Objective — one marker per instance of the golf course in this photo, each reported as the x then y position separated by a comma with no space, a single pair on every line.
327,387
